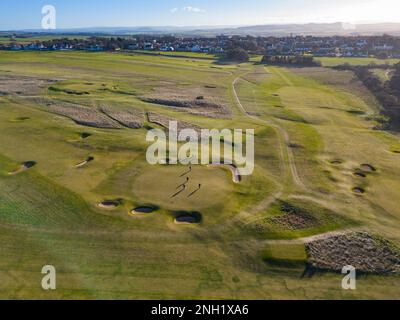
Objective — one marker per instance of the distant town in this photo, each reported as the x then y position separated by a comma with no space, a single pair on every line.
383,47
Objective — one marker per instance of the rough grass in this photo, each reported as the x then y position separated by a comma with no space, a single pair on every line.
285,256
366,253
83,115
294,219
331,62
50,216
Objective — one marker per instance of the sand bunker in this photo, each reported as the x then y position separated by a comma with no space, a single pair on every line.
84,163
358,190
143,210
20,119
187,217
85,135
366,253
336,162
109,205
360,174
294,145
25,166
367,168
236,177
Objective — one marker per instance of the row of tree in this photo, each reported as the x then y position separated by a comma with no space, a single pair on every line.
387,93
294,60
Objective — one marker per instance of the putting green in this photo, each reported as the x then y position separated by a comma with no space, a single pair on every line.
162,186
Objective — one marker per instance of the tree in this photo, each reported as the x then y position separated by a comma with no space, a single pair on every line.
394,83
237,54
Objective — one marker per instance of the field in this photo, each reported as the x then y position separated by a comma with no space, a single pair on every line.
77,139
28,40
331,62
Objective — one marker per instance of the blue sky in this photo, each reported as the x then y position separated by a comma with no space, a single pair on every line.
20,14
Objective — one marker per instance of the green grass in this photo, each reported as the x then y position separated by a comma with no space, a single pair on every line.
331,62
285,256
49,214
6,40
179,54
320,220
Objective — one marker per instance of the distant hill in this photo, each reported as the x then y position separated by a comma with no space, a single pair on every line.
314,29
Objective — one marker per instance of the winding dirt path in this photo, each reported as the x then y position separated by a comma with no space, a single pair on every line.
284,138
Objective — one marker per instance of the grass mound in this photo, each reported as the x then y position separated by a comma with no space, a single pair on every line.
295,218
366,253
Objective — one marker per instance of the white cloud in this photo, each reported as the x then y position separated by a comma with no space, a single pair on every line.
188,9
193,9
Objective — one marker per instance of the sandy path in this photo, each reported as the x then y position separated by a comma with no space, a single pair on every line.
236,178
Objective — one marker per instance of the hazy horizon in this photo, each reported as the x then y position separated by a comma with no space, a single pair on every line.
73,14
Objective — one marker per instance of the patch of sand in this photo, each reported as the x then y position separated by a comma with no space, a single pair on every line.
236,177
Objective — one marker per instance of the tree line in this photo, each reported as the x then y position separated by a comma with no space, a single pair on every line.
386,92
294,60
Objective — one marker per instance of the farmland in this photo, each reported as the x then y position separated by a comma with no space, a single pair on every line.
321,169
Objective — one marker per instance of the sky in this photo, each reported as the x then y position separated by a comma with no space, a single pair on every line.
26,14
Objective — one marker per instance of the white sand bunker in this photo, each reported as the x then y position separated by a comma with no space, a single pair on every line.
25,166
236,177
109,205
143,210
84,163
